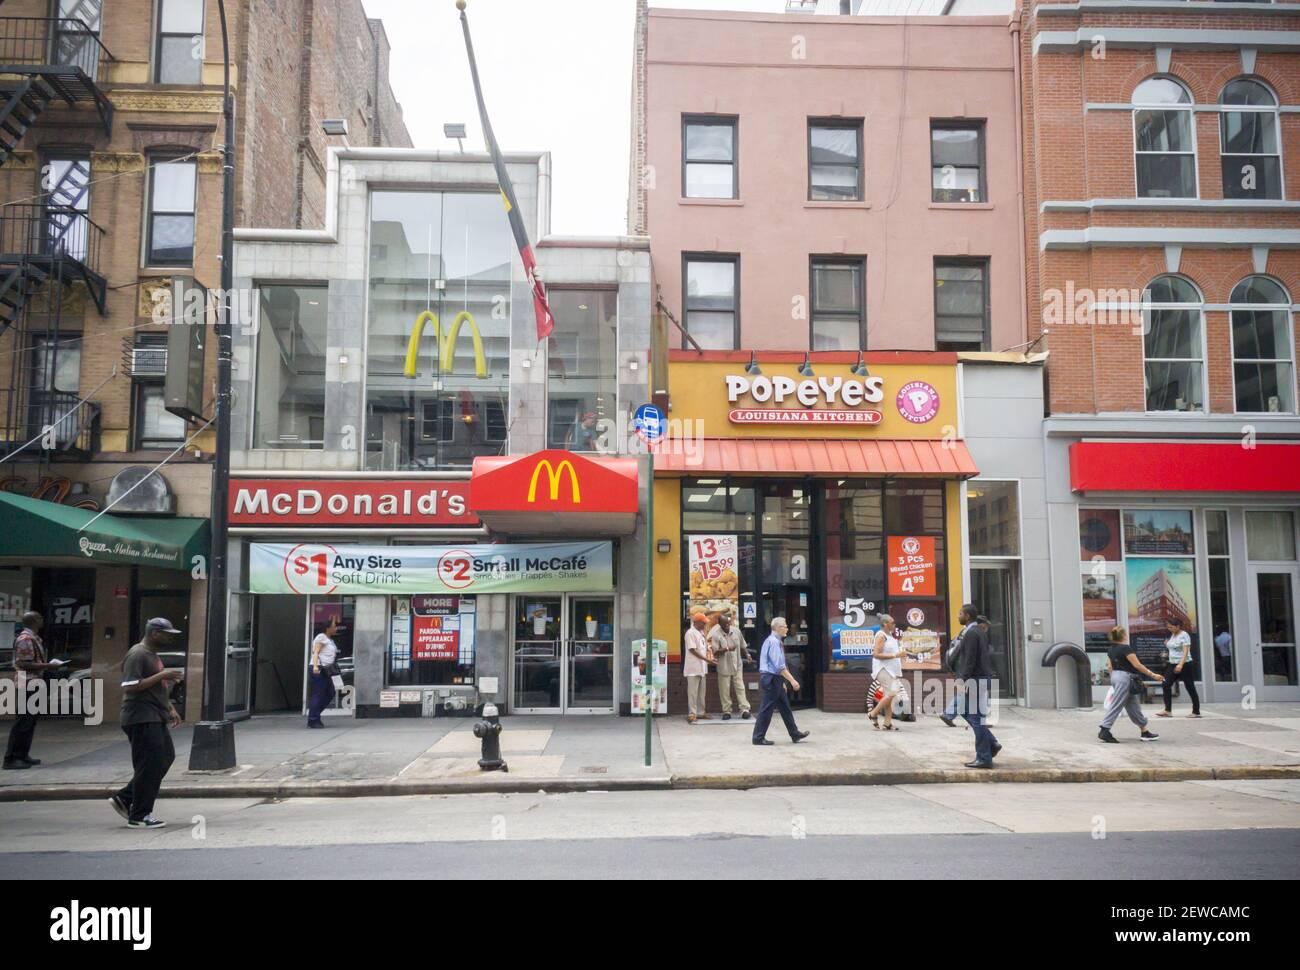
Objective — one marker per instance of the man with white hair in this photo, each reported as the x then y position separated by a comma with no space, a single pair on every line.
774,675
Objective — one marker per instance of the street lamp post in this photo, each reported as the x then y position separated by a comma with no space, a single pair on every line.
213,747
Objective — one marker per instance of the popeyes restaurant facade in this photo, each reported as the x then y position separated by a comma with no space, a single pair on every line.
451,589
826,489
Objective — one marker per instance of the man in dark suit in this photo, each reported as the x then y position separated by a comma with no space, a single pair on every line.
975,685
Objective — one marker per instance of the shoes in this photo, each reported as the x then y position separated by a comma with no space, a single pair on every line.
16,765
148,822
744,715
706,717
726,717
690,718
1106,736
315,724
947,720
796,738
765,742
979,764
32,762
1149,736
121,807
997,750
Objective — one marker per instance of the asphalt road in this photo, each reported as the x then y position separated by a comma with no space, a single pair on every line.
1244,854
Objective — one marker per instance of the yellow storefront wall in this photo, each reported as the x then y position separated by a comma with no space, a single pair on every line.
700,407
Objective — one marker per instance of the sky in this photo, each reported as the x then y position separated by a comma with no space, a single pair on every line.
557,76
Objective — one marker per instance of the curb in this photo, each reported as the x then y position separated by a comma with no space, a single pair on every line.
507,785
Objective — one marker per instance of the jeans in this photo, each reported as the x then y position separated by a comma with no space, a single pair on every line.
774,699
979,691
152,753
20,735
321,692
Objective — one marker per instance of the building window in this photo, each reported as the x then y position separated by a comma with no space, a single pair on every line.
438,343
1173,346
65,185
993,518
839,303
1262,370
54,379
709,158
1220,563
76,35
583,369
1248,140
155,426
1163,140
957,161
711,301
289,408
835,161
179,52
961,305
171,212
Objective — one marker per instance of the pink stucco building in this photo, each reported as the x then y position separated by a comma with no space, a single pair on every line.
829,182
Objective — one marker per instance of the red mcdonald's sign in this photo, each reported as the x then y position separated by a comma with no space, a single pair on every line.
555,491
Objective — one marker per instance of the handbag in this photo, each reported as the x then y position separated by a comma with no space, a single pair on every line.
1135,685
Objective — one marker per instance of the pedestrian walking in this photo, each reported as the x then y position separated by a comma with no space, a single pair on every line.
949,715
975,685
887,671
1125,687
730,653
695,665
324,651
31,667
147,717
774,676
1185,669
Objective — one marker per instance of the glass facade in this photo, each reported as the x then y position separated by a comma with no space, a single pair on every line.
438,341
582,368
290,394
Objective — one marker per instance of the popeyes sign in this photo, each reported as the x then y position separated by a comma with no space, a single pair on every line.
350,502
813,400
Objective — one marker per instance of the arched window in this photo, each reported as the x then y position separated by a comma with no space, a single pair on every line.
1173,345
1162,139
1263,371
1248,141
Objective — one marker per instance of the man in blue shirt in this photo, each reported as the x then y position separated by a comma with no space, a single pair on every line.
774,675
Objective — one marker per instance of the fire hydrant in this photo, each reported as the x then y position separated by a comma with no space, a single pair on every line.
489,731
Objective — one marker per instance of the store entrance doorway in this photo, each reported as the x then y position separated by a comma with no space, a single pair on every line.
1274,593
563,654
995,589
801,641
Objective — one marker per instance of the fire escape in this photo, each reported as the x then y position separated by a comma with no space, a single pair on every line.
50,249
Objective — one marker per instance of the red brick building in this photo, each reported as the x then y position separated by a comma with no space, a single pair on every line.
1162,201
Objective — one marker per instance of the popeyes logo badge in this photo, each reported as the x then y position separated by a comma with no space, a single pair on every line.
918,402
915,617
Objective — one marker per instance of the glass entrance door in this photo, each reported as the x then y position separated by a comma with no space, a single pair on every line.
563,655
792,602
996,590
1274,592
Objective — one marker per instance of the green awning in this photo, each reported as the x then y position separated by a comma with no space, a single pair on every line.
33,528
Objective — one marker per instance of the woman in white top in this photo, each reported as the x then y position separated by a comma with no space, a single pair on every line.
324,651
886,670
1183,668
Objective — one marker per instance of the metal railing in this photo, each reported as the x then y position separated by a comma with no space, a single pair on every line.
53,41
32,230
60,418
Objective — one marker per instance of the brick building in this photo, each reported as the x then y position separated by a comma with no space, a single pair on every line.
110,187
1163,247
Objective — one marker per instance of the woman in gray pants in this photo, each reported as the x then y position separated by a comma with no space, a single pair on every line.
1124,666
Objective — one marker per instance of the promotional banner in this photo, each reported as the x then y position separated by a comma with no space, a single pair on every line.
912,566
715,582
1159,590
435,627
658,668
319,568
1100,611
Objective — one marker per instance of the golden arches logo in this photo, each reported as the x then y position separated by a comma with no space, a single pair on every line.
554,473
445,343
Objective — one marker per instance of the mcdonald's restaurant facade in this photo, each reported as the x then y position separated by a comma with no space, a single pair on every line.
410,461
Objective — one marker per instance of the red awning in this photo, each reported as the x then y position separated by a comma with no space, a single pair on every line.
915,458
1151,466
555,493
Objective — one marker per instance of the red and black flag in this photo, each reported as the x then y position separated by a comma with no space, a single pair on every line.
545,322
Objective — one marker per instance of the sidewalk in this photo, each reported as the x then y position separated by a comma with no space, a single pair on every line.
280,758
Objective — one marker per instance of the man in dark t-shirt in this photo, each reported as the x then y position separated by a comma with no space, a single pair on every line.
147,715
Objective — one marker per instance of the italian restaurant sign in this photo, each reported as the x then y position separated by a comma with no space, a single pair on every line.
350,502
319,568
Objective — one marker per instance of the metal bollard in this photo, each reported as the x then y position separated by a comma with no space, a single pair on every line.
489,731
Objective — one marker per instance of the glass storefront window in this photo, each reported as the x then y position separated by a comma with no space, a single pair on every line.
1270,536
854,507
583,379
1216,532
1223,645
431,641
709,505
787,509
290,390
438,346
1158,532
914,507
993,518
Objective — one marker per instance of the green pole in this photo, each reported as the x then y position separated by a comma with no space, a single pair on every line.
649,597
